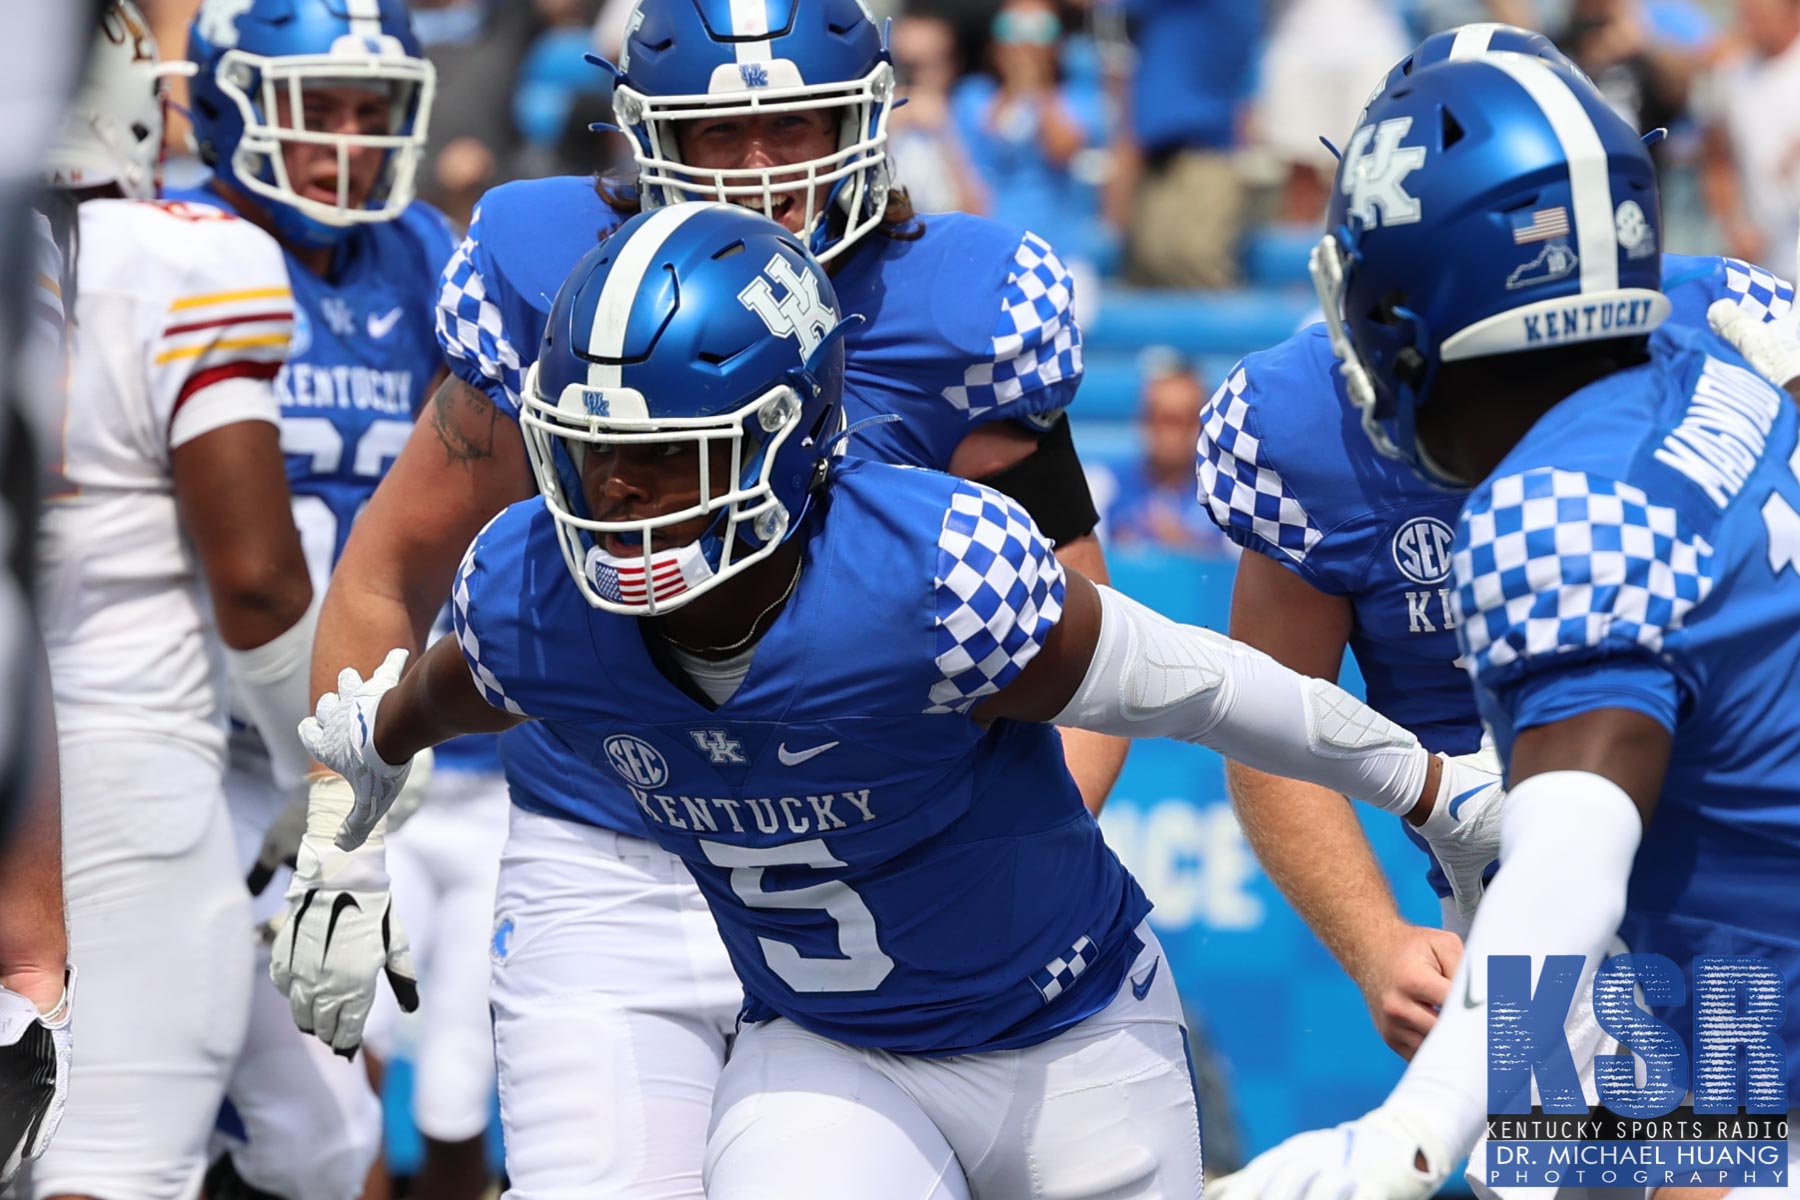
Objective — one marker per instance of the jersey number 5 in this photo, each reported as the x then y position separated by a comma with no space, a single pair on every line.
863,965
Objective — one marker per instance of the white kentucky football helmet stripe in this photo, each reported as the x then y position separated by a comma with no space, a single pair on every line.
750,19
612,315
1590,184
365,17
1472,40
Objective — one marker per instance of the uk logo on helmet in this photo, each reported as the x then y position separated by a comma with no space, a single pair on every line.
799,313
1377,171
217,21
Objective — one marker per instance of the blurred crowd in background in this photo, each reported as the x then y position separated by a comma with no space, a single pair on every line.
1171,145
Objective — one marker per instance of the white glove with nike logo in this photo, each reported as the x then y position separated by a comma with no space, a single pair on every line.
1385,1155
341,734
1463,829
341,930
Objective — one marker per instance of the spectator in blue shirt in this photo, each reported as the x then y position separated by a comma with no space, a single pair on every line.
1150,503
1024,127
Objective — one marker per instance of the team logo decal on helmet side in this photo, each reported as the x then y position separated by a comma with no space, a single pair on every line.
800,312
1375,180
218,20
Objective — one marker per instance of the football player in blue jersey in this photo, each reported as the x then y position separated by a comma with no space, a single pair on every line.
824,684
1623,568
312,115
968,339
1353,550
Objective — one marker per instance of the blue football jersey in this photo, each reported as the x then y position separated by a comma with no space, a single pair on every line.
1285,469
969,322
884,871
1638,549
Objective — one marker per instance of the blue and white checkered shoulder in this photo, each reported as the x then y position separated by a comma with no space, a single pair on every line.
1758,291
1036,345
1243,492
1553,562
469,325
998,591
485,680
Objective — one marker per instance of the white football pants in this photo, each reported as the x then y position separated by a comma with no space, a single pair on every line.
159,925
312,1122
614,1006
443,863
1105,1109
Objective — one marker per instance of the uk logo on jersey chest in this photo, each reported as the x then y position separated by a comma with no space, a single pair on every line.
717,745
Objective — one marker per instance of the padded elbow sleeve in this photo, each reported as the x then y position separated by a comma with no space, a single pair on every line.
1152,677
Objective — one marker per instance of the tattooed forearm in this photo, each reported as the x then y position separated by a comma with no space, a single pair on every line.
464,418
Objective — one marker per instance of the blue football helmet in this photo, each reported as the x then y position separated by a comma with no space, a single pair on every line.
703,323
1472,41
685,60
255,60
1491,205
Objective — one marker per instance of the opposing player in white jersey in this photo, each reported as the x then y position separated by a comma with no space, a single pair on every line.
312,115
171,558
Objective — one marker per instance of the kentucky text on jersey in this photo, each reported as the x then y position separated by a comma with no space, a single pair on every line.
1581,320
884,871
768,814
344,385
1723,434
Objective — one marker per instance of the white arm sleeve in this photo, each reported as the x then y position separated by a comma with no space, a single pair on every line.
1151,677
269,683
1567,844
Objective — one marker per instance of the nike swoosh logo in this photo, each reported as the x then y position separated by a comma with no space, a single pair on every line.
344,900
793,758
1456,802
380,327
1141,987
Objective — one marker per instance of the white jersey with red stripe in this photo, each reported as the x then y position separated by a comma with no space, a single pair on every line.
182,319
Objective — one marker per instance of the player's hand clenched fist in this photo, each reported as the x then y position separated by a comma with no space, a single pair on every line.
1383,1156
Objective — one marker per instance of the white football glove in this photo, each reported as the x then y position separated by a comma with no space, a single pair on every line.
34,1074
1375,1158
341,930
341,734
1773,347
1463,829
